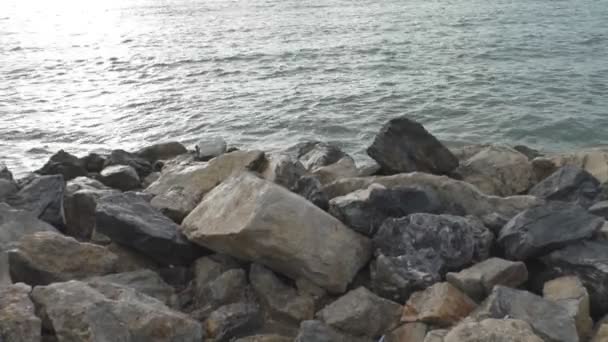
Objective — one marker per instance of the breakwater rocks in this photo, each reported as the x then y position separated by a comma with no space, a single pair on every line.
477,243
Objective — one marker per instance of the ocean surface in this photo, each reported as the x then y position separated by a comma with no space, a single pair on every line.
85,75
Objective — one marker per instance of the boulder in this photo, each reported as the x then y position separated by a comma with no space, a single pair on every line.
594,161
131,260
550,321
230,287
79,312
80,201
569,184
542,229
47,257
43,196
161,151
5,173
279,298
441,304
343,168
179,190
121,177
144,281
457,197
542,167
18,321
310,188
210,148
570,293
131,221
365,210
232,321
478,280
94,162
65,164
493,330
498,170
409,332
7,188
121,157
265,338
151,178
315,154
316,331
404,145
253,219
600,209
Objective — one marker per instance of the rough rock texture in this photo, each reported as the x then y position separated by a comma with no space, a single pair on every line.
493,330
529,152
78,312
409,332
498,170
542,229
5,173
457,197
280,299
343,168
361,312
570,293
161,151
93,162
46,257
129,220
600,209
253,219
65,164
316,331
180,189
478,280
144,281
542,167
80,201
229,287
7,188
549,320
601,331
233,320
436,335
43,196
441,304
594,161
365,210
121,177
210,148
403,145
569,184
121,157
315,154
416,251
18,321
310,188
265,338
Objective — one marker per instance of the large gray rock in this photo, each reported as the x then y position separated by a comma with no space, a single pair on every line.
79,312
361,312
232,321
542,229
315,154
229,287
570,293
128,219
80,201
593,160
343,168
414,252
365,210
144,281
43,196
210,148
600,209
121,157
317,331
93,162
121,177
569,184
493,330
409,332
549,320
161,151
5,173
18,321
7,188
253,219
65,164
404,145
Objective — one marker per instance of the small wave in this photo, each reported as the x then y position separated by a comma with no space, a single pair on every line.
592,40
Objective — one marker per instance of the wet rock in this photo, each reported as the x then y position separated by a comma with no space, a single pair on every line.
94,162
121,177
478,280
343,168
310,188
457,197
46,257
316,331
43,196
570,293
233,320
569,184
600,209
365,210
549,320
121,157
361,312
542,229
403,145
280,299
144,281
315,154
161,151
498,170
18,321
409,332
253,219
493,330
441,304
129,220
210,148
179,190
594,161
80,201
78,312
65,164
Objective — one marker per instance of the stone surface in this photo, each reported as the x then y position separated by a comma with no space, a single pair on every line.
78,312
47,257
129,220
65,164
265,338
253,219
594,161
232,321
493,330
403,145
210,148
5,173
144,281
542,229
280,299
441,304
315,154
600,209
550,321
365,210
570,293
43,196
409,332
7,188
529,152
569,184
18,321
80,201
436,335
457,197
310,188
162,151
121,157
180,189
121,177
416,251
361,313
601,331
93,162
478,280
343,168
498,170
317,331
229,287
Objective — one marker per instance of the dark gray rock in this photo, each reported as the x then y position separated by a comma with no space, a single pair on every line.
314,154
549,320
317,331
145,281
569,184
121,177
43,196
65,164
600,209
161,151
233,320
18,321
129,220
527,151
121,157
7,188
365,210
310,188
5,173
80,201
94,162
403,145
542,229
228,288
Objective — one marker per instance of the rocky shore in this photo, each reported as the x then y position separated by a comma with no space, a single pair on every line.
483,243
